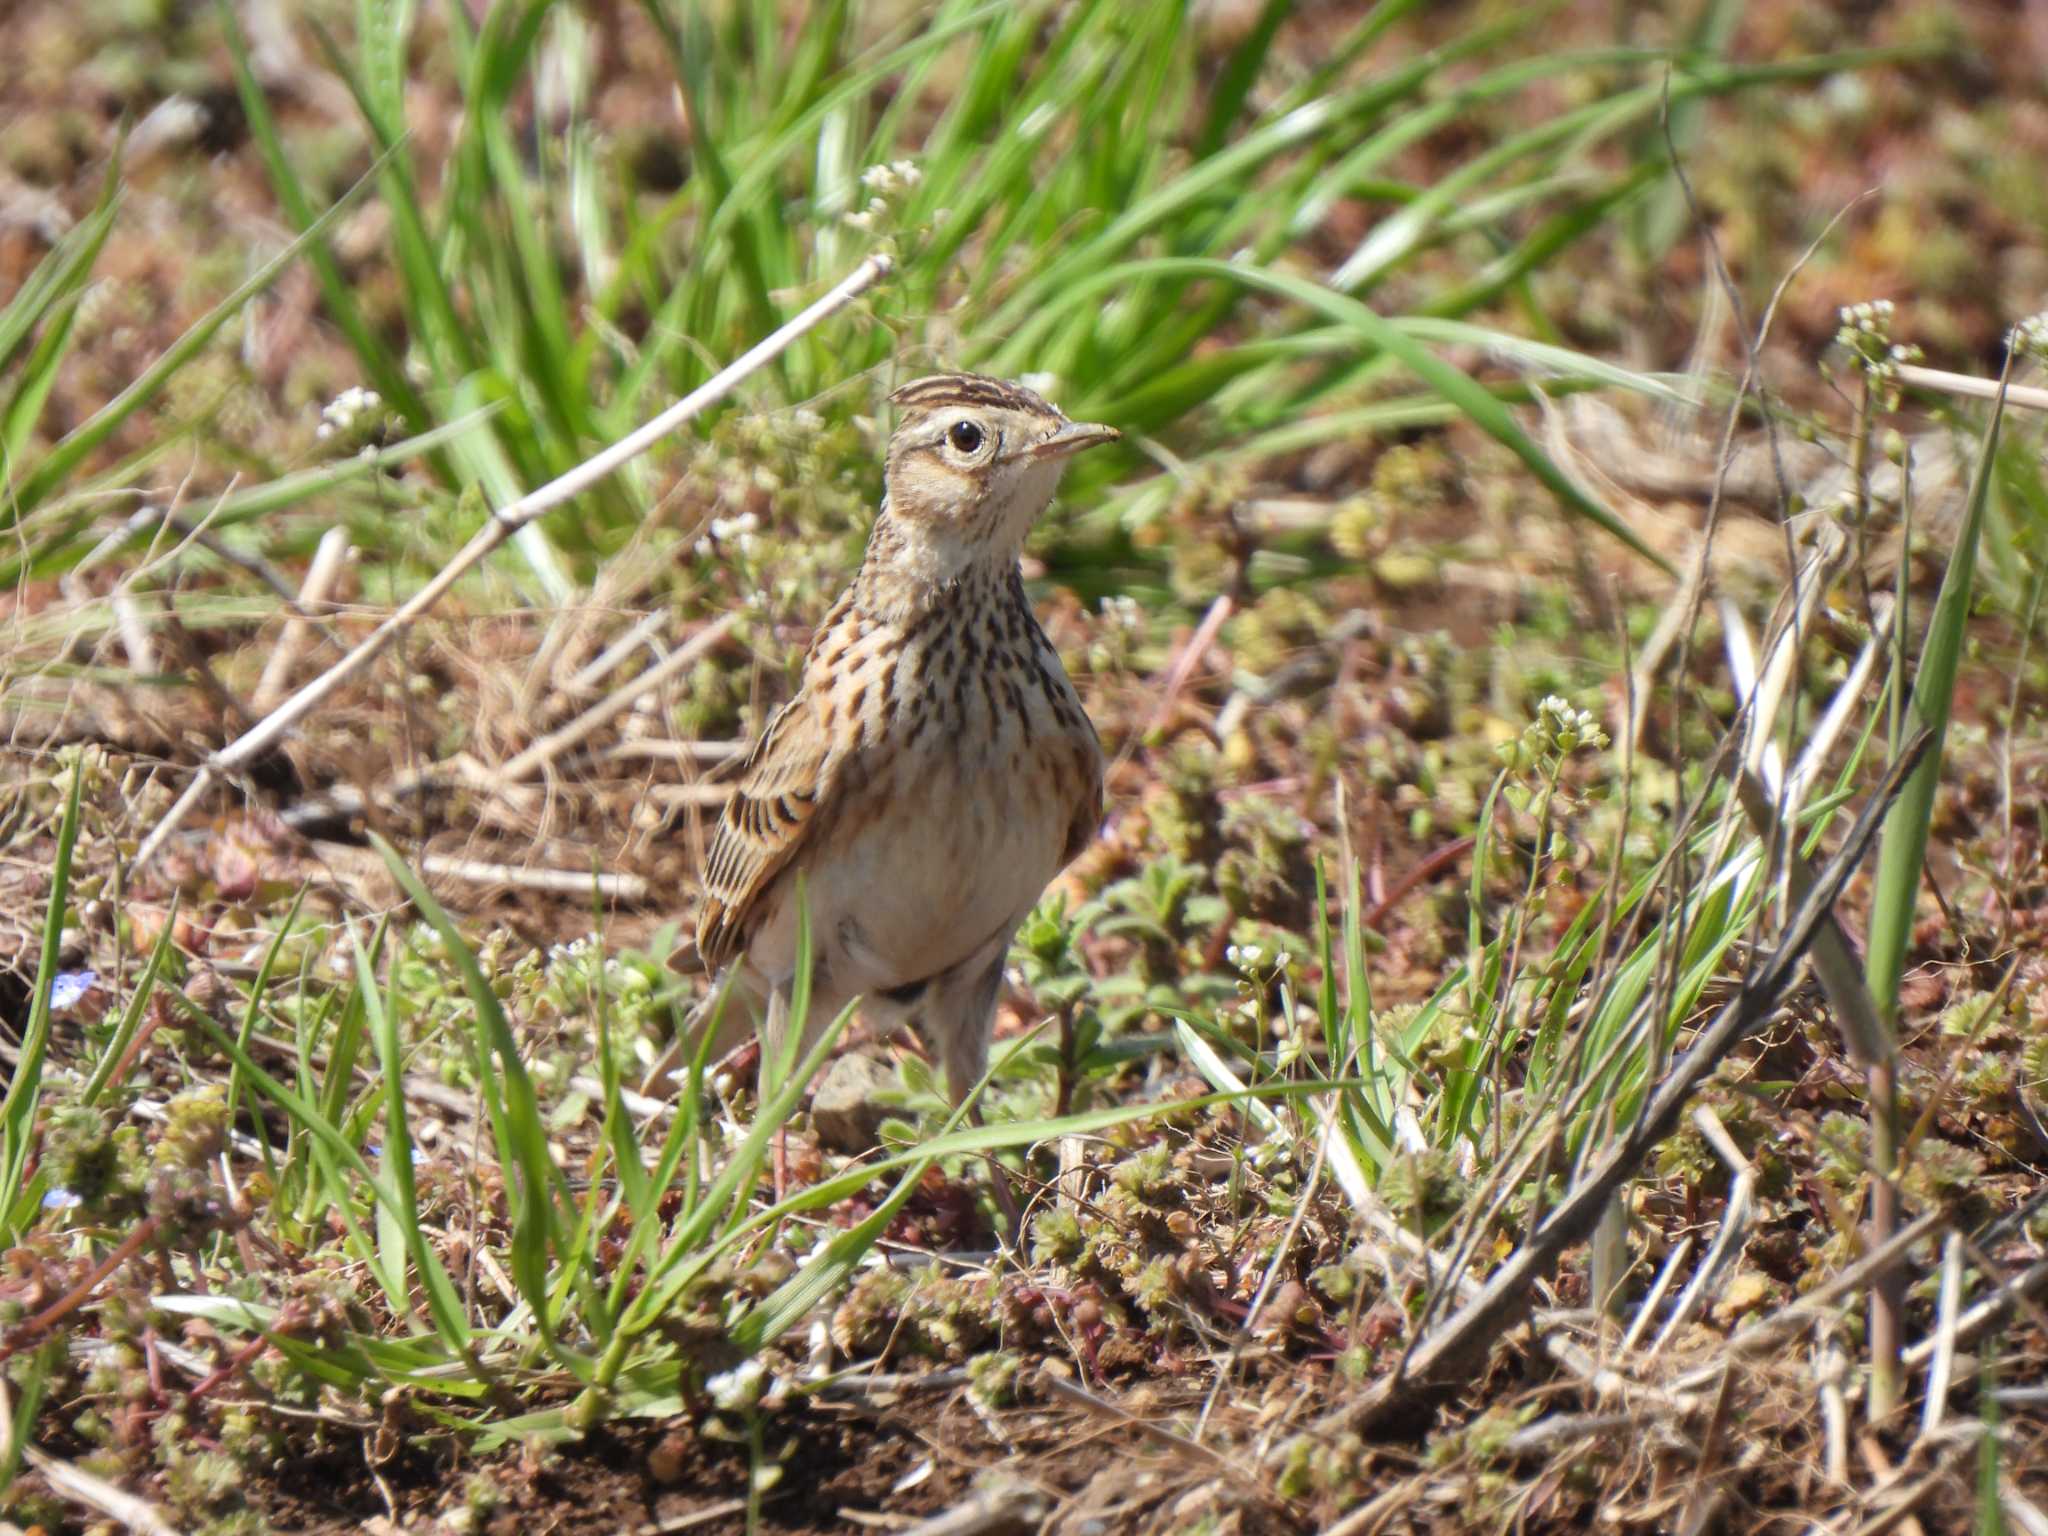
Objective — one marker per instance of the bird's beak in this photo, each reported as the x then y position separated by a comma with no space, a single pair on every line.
1072,437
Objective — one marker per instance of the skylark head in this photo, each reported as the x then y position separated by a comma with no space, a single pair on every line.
974,460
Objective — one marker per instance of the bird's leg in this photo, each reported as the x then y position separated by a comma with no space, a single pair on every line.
774,1031
965,1049
664,1078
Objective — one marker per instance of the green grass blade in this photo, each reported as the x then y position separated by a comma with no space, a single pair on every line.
509,1096
1240,70
1903,852
344,1154
72,450
385,371
132,1015
38,376
827,1269
400,1221
1473,399
62,272
24,1088
33,1377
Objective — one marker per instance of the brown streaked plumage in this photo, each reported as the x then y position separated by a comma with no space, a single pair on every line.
935,769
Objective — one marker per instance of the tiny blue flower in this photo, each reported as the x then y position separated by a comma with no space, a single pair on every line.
70,988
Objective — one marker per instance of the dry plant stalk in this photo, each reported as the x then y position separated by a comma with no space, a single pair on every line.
1437,1360
321,577
502,523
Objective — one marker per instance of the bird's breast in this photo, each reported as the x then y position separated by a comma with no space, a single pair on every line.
985,759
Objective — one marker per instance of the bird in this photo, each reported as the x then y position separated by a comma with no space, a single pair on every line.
934,769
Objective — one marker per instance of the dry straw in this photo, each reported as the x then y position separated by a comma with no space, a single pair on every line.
501,525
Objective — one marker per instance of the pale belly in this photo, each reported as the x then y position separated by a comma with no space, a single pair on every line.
960,849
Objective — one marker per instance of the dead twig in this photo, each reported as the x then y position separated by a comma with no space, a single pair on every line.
1442,1359
1941,1371
1971,387
1734,1226
1988,1313
1646,1313
321,576
555,743
1055,1386
501,525
1008,1508
1190,657
82,1487
558,882
608,661
1769,1332
1907,1504
96,1493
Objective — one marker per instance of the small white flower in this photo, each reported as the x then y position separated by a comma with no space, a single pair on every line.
2031,337
739,1389
888,180
1124,613
1559,727
345,409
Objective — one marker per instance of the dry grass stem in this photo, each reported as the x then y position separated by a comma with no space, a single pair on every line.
580,729
2027,1516
1646,1311
561,882
1057,1386
1990,1312
1507,1294
1941,1369
1970,387
321,575
705,753
1770,1332
253,743
1830,1370
613,656
1006,1508
1727,1241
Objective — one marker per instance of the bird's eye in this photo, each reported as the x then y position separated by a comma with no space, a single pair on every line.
965,436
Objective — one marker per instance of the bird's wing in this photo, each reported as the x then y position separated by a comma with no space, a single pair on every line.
773,811
1086,818
1085,823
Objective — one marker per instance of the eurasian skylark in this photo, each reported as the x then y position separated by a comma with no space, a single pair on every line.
935,769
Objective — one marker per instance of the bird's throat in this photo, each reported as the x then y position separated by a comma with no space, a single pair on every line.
911,571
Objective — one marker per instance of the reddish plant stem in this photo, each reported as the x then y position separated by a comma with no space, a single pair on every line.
55,1313
1427,869
232,1367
